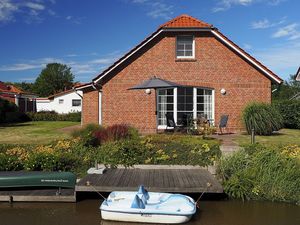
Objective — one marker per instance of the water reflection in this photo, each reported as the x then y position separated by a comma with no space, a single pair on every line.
211,213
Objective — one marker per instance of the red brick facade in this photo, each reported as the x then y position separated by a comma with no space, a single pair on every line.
90,106
215,66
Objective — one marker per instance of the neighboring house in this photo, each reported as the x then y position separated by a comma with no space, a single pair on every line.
219,78
24,100
63,102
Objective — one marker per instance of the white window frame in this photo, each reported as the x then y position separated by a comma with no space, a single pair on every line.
160,127
61,101
193,48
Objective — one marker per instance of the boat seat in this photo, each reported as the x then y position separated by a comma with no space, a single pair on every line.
143,191
137,203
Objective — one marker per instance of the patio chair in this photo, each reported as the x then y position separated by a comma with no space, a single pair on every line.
223,123
171,125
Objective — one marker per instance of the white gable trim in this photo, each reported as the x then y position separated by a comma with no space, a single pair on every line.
107,72
245,56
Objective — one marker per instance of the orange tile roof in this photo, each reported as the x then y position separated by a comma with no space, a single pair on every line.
10,88
185,21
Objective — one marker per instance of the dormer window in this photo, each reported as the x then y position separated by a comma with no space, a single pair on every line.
185,47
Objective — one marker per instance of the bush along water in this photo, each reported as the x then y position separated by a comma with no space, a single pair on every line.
263,118
262,173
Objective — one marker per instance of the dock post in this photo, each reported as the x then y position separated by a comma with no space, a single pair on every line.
10,199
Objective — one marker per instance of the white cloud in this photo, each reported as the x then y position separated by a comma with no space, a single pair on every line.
265,23
91,66
18,67
68,17
31,11
282,59
289,31
7,10
224,5
34,6
156,8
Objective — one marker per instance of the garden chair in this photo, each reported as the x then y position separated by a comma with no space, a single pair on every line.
171,125
223,123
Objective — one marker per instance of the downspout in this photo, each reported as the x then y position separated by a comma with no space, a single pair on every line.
99,102
81,103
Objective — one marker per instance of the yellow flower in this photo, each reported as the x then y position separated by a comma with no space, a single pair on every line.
20,152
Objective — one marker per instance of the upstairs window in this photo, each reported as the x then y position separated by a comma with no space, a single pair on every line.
76,102
185,47
60,101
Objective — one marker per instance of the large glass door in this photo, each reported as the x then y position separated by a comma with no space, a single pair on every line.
184,103
165,104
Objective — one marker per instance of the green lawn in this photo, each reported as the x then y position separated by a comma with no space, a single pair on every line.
37,132
283,137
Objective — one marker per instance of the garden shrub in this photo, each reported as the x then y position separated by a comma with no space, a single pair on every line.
290,111
262,174
127,152
115,132
264,118
9,112
10,163
54,116
86,134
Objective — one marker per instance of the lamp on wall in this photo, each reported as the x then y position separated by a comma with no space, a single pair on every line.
223,91
148,91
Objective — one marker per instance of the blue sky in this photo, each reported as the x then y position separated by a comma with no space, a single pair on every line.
89,35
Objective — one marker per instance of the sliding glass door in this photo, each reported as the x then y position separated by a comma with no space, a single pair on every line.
184,103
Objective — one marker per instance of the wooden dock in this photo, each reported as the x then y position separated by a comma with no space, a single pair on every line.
188,180
37,195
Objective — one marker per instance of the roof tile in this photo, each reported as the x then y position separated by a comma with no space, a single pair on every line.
185,21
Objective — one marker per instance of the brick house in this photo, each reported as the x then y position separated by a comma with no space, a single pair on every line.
219,78
24,100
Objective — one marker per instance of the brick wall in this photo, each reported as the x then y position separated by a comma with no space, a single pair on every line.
215,66
90,106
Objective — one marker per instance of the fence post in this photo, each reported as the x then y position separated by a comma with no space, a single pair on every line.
252,136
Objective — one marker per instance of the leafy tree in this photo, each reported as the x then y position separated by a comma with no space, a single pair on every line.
54,78
286,90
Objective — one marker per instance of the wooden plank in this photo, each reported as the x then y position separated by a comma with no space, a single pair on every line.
163,180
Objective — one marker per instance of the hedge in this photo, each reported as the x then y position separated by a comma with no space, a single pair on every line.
54,116
290,111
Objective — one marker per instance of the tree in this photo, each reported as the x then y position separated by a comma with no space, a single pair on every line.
54,78
287,89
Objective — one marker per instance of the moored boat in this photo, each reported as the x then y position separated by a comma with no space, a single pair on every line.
24,179
148,207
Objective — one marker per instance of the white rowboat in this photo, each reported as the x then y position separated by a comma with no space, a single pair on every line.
148,207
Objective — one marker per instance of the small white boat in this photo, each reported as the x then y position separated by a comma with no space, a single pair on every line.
148,207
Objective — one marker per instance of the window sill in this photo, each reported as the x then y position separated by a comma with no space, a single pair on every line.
185,60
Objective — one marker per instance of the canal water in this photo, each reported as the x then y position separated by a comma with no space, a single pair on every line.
211,213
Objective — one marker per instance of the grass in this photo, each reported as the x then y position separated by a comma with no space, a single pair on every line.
35,132
283,137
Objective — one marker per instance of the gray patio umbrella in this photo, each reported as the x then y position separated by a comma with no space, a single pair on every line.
154,83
